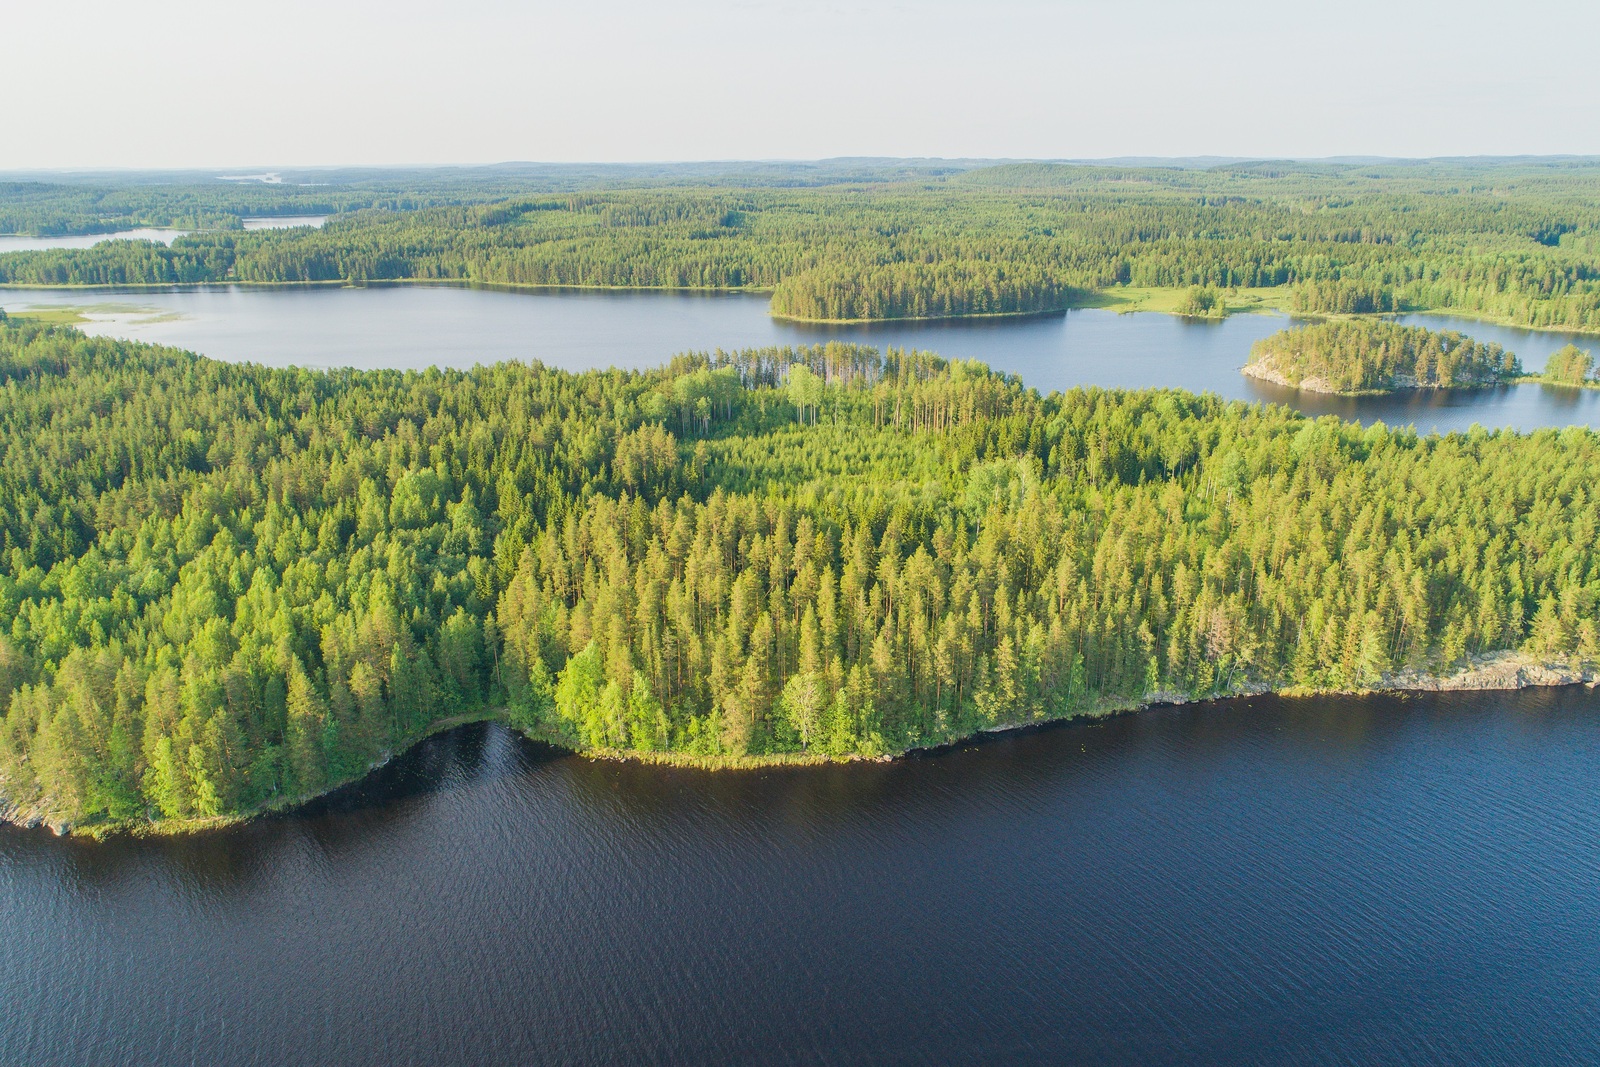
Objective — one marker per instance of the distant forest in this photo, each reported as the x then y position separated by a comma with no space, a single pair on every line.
1516,241
229,586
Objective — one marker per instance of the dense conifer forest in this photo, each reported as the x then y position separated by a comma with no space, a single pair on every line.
1517,241
229,586
1364,356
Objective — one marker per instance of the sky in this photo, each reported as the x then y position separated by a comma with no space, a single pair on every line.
180,83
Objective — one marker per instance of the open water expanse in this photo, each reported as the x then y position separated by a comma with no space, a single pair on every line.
420,326
1358,881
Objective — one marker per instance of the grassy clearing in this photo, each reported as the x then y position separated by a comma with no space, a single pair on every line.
50,316
1127,299
78,314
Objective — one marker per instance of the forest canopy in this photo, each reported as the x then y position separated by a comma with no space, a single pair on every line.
1515,241
1363,356
1570,365
227,586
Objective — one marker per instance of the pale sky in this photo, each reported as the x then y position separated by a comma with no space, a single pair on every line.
185,83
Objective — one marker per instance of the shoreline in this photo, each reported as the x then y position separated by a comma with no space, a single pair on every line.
1265,371
376,283
1504,671
1108,299
980,316
1539,379
1492,320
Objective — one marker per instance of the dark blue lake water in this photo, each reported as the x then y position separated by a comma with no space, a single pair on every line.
1379,880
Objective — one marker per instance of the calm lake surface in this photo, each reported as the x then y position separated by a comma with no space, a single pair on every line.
420,326
13,242
16,242
1363,881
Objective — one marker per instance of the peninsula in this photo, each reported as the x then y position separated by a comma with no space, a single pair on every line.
231,587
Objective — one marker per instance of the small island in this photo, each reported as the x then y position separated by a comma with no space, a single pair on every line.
1570,366
1354,357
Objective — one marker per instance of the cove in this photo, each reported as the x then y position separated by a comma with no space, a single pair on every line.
1328,879
414,326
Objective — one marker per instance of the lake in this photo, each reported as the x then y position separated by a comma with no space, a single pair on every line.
283,222
413,326
1334,880
16,242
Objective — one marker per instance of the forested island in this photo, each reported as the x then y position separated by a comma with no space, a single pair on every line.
1570,365
1514,241
231,587
1353,357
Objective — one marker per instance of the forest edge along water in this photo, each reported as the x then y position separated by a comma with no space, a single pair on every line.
1500,672
256,584
1401,876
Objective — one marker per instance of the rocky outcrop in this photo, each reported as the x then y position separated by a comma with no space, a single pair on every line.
1266,369
28,818
1496,670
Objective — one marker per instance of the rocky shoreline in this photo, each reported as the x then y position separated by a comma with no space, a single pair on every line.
1491,671
1266,370
30,818
1495,670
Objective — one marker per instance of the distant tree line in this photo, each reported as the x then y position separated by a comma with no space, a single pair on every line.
1514,242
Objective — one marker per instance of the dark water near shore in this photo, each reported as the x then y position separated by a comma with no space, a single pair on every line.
1339,880
421,326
